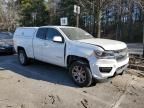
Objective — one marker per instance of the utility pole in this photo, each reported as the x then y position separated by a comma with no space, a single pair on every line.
77,11
34,18
93,12
77,20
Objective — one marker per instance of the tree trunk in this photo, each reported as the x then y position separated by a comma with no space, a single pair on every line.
99,24
143,32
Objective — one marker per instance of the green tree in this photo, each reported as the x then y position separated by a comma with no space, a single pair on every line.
33,13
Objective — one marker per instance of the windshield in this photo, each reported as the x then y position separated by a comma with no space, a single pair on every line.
76,33
5,36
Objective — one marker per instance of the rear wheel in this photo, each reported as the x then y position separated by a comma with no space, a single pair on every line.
23,59
81,73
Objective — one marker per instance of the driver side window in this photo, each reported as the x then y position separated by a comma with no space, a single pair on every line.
51,33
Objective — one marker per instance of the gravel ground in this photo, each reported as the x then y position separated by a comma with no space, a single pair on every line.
41,85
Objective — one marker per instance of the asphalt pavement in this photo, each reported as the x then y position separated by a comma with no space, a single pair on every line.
41,85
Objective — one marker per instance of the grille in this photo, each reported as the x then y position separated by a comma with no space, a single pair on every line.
121,54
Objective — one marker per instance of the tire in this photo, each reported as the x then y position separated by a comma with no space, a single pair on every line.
94,82
81,74
121,73
23,59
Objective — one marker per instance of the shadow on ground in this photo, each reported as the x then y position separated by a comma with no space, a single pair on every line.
37,71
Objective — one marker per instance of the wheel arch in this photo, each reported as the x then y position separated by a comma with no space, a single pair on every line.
73,58
20,48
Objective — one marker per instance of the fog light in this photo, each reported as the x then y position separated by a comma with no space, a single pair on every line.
105,69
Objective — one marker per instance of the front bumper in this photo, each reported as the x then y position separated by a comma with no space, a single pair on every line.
105,68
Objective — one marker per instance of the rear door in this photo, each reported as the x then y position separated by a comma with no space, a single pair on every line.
53,52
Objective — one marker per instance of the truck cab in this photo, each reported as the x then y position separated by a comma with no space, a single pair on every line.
87,58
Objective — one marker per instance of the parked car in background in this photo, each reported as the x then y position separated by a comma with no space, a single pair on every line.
6,43
87,58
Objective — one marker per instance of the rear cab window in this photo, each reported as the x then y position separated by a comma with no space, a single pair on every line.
41,34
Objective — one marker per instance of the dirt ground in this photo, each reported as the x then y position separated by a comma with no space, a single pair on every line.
41,85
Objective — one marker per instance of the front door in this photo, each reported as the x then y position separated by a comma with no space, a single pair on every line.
53,52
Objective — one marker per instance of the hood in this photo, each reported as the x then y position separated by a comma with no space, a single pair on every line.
107,44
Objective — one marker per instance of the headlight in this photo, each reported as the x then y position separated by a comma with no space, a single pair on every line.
104,54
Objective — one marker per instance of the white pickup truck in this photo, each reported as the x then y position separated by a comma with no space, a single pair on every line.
86,57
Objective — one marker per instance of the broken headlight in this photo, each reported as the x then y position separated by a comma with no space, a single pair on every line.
104,54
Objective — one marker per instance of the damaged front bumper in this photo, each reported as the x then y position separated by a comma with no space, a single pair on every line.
105,68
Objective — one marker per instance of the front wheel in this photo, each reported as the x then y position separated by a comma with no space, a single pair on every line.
81,74
23,59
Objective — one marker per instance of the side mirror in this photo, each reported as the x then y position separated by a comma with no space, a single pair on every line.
57,39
